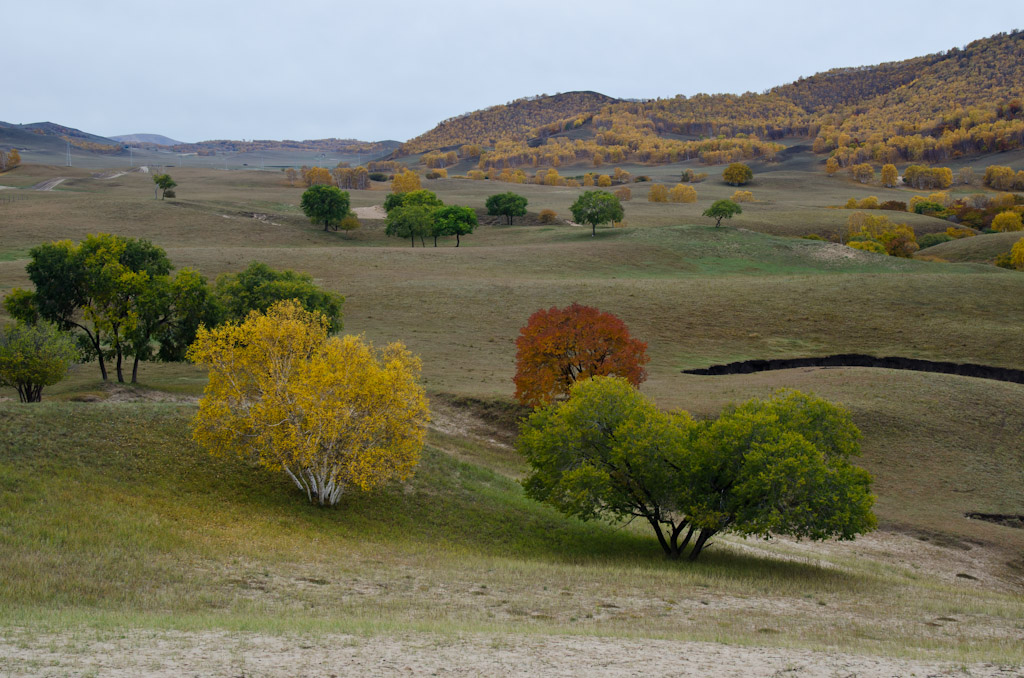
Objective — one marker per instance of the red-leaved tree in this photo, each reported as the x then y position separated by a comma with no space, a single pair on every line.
559,347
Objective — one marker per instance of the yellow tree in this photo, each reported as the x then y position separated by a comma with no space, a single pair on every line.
331,412
831,166
1007,221
1017,254
405,182
318,176
742,196
657,193
604,181
889,175
682,193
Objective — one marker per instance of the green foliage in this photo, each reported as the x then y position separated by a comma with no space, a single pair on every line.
259,287
506,204
767,467
929,208
453,220
165,183
417,198
34,356
410,221
722,209
596,207
326,205
932,239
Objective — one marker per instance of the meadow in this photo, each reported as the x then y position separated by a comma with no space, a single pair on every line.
205,544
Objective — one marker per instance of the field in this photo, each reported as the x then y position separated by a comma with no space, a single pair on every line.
206,553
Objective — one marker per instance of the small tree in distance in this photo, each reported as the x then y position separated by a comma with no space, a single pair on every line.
596,207
326,205
559,347
165,183
506,204
722,209
737,174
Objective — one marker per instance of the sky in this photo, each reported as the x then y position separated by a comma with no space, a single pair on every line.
309,69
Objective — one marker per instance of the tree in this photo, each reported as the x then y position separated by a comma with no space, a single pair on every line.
410,221
558,347
405,182
657,193
317,176
862,172
779,466
683,193
325,204
33,356
99,287
1007,221
331,412
722,209
609,452
291,174
596,207
165,183
831,167
506,204
453,220
259,287
1017,254
737,174
890,175
418,198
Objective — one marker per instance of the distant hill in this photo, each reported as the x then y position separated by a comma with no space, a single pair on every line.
51,137
154,139
931,109
369,149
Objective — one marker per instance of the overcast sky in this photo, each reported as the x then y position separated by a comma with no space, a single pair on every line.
306,69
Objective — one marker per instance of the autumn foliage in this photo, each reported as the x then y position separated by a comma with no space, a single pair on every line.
559,347
332,413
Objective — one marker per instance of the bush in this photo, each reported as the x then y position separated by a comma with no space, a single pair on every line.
1007,221
812,236
957,233
169,193
933,239
868,246
34,356
624,194
379,176
893,205
683,193
547,216
742,196
737,174
657,193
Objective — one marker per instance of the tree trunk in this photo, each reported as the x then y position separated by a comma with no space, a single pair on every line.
135,370
705,534
326,224
435,241
456,239
593,230
120,374
413,239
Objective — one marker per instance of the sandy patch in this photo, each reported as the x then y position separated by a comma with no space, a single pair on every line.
371,212
3,187
48,185
143,653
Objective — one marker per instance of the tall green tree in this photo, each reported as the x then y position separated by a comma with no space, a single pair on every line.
409,222
259,286
453,220
33,356
596,207
418,198
506,204
326,205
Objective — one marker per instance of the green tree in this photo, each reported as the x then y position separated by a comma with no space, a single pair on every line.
722,209
165,183
453,220
596,207
259,287
737,174
33,356
609,452
418,198
326,205
409,222
506,204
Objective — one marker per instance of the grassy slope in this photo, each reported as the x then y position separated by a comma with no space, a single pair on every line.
979,249
130,525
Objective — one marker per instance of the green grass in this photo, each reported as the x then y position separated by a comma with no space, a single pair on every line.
112,519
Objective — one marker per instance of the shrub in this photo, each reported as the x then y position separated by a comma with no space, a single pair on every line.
812,236
737,174
547,216
933,239
742,196
957,233
683,193
893,205
867,246
657,193
379,176
624,194
34,356
1007,221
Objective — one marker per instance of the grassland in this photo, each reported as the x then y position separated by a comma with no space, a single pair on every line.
204,544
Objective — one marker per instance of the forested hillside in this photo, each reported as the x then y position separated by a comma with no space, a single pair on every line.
928,109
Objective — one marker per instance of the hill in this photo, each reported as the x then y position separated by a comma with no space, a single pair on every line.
934,108
155,139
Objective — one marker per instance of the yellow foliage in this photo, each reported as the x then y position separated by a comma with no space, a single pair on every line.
624,194
317,176
1017,254
475,175
332,413
604,181
868,203
657,193
588,179
742,196
831,166
890,176
1007,221
405,182
941,198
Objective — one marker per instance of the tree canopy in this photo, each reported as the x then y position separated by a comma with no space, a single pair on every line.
259,287
333,413
722,209
596,207
410,221
326,205
165,183
767,467
453,220
33,356
559,347
737,174
506,204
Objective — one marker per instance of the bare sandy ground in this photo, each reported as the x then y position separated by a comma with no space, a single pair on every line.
167,654
371,212
49,184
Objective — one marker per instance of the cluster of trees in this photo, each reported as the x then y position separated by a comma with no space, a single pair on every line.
333,413
875,233
1003,178
421,214
119,298
599,449
10,159
342,146
507,205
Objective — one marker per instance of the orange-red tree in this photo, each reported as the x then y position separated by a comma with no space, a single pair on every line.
559,347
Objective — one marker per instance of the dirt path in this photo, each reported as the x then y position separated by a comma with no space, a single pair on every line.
217,654
48,185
